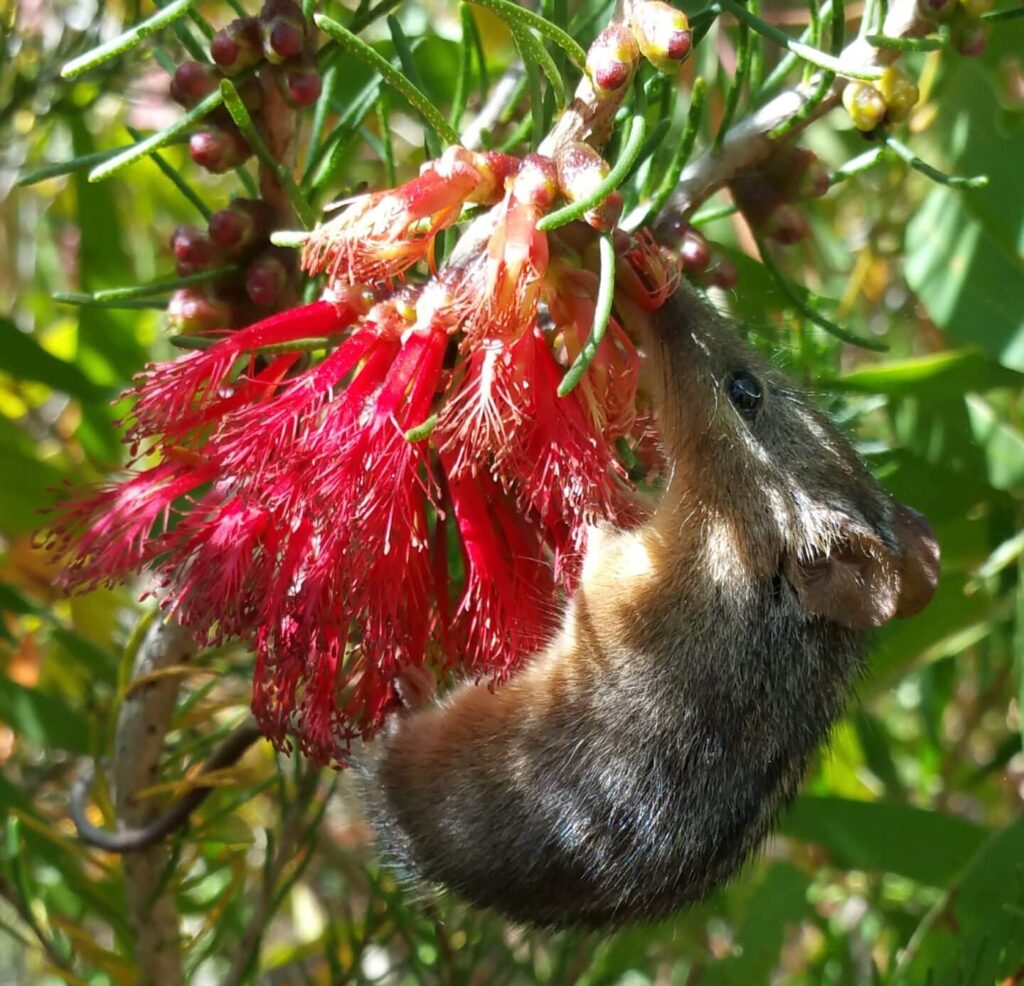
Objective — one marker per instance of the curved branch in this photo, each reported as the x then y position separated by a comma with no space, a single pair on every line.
174,817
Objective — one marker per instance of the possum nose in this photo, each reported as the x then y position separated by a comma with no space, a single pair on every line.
919,560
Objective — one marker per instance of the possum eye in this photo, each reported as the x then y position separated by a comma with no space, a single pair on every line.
744,391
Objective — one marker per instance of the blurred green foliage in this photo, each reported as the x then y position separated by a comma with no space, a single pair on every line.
902,863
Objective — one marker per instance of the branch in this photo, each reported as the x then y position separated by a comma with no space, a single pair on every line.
749,141
141,727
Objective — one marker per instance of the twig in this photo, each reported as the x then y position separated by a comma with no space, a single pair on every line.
749,142
142,725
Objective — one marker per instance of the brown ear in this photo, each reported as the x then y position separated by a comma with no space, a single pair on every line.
919,560
857,585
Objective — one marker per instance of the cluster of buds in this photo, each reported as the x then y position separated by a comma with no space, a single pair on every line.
656,31
765,195
277,39
888,100
405,430
235,236
967,29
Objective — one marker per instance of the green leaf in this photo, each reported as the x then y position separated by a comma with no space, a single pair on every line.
928,846
22,357
42,718
975,933
939,374
1003,444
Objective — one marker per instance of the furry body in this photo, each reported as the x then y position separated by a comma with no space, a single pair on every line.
638,761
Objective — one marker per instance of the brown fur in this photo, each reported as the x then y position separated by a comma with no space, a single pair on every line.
635,764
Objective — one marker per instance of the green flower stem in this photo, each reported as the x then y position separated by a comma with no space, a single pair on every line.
235,106
513,14
370,56
631,147
307,345
756,74
813,101
700,23
81,300
683,149
602,314
59,168
329,84
365,17
533,87
462,78
952,181
422,431
714,214
163,286
807,311
412,74
533,49
906,44
732,99
838,13
798,48
484,79
126,41
317,173
161,138
175,178
384,126
1009,14
858,165
785,66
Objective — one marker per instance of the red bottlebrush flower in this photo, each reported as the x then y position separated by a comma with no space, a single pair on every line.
517,258
311,510
380,236
505,612
118,529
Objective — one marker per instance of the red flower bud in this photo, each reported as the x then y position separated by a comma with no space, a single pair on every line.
191,311
218,150
694,252
193,250
283,29
786,225
612,58
191,83
303,86
242,224
266,278
238,46
796,172
663,34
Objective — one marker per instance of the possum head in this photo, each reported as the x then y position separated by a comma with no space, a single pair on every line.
750,452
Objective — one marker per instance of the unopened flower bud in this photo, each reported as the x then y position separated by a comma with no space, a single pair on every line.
283,29
899,93
193,250
693,250
218,149
238,46
796,172
720,273
865,104
190,311
786,225
536,182
303,85
663,34
756,196
580,170
612,58
192,82
266,278
242,224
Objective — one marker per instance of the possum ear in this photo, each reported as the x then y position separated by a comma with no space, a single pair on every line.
919,560
857,584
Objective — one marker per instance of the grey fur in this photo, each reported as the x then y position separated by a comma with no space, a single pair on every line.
635,764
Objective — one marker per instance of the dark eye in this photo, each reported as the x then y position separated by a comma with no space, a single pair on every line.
744,390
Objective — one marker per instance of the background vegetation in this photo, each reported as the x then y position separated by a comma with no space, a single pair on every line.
902,862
